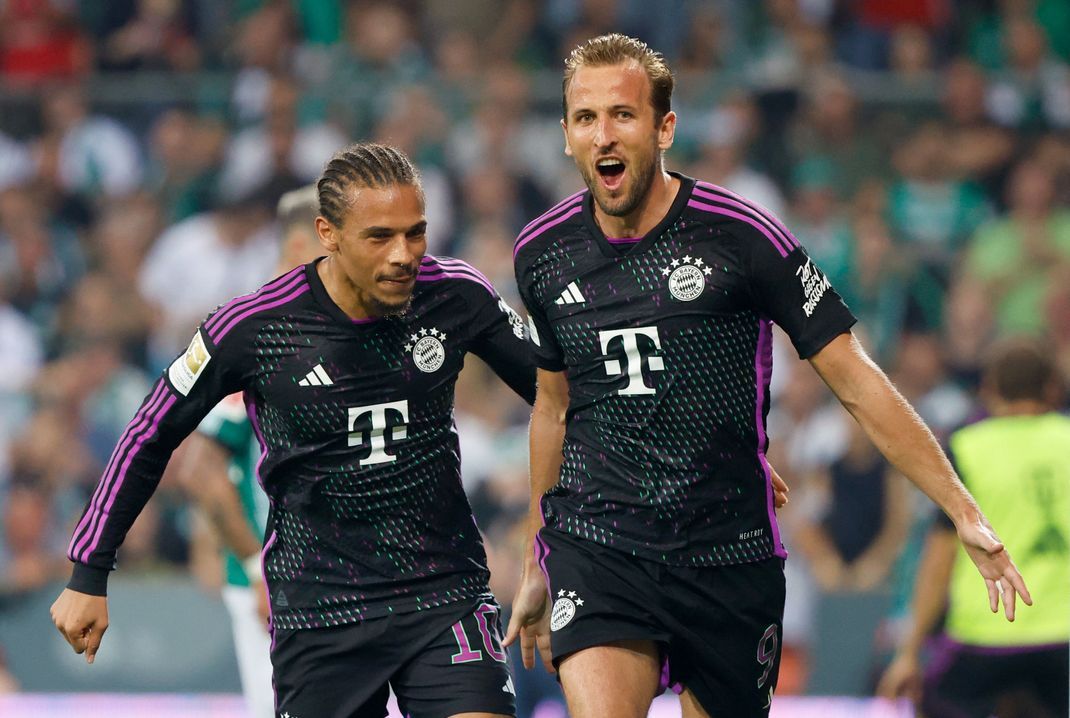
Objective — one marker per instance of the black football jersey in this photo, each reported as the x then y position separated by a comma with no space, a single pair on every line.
360,456
666,342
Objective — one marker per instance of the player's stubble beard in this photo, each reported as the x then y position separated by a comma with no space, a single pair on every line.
378,308
645,169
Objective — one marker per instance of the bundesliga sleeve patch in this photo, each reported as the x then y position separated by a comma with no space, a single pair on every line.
185,370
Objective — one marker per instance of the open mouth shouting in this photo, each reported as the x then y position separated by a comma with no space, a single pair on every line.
611,172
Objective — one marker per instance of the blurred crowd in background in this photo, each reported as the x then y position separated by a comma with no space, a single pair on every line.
920,149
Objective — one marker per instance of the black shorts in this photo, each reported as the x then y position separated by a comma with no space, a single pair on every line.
439,662
964,681
719,628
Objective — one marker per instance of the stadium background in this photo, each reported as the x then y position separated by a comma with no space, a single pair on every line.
918,148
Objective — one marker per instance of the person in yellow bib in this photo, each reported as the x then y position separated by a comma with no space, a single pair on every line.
1017,465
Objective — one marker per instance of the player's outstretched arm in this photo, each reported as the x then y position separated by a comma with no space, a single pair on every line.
904,439
530,616
82,619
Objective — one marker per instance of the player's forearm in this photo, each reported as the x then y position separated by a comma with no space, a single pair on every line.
893,426
546,437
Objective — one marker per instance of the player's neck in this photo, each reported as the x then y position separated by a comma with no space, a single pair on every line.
341,291
651,210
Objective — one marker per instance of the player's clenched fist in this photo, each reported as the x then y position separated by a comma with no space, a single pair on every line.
82,619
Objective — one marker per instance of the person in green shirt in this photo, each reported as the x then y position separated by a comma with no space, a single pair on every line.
219,469
1015,463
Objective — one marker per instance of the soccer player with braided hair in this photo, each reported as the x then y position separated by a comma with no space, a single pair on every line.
375,568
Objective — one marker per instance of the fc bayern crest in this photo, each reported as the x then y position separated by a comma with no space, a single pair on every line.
687,277
428,353
564,609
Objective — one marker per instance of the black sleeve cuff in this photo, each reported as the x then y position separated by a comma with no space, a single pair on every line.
89,580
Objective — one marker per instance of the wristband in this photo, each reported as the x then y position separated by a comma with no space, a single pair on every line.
252,568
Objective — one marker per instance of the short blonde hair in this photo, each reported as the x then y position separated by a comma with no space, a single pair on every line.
614,49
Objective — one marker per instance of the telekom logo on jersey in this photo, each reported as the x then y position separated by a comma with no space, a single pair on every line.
637,343
376,424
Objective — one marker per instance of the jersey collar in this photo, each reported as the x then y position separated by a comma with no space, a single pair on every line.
319,293
611,247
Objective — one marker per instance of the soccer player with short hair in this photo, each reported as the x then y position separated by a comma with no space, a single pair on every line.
347,365
656,556
1015,462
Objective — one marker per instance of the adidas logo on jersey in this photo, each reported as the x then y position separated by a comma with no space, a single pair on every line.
571,295
316,377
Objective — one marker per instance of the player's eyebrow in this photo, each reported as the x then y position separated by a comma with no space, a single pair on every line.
379,231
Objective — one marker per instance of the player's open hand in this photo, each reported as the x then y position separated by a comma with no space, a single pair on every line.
530,620
82,619
998,570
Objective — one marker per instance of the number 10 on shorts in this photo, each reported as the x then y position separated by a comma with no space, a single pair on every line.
489,626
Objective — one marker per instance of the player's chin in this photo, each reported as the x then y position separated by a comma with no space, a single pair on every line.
391,305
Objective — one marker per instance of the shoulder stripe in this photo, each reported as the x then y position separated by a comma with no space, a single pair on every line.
246,299
436,272
112,481
296,288
521,241
708,191
563,206
453,263
549,212
761,227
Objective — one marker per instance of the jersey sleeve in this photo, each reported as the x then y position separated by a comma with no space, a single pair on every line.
501,341
545,350
178,401
791,290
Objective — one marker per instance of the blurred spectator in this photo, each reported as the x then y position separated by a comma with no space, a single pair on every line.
969,328
829,126
933,213
93,155
732,128
858,527
502,131
16,162
39,263
911,56
380,54
1020,258
817,219
280,147
921,376
875,285
185,154
202,262
263,47
1033,91
978,148
28,560
147,35
39,39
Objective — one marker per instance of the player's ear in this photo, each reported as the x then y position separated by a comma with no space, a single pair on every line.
667,130
327,234
568,147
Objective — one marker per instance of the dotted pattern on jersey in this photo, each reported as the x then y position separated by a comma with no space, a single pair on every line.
667,452
377,528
